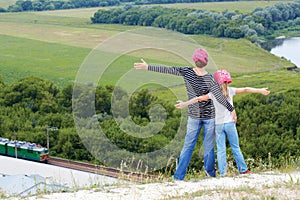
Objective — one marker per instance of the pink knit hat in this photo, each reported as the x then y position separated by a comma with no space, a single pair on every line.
222,76
200,55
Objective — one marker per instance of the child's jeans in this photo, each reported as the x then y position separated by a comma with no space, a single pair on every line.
229,130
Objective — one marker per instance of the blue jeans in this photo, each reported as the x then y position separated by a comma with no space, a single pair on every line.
229,130
193,130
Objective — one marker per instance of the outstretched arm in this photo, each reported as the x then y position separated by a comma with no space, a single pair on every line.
142,65
182,104
263,91
178,71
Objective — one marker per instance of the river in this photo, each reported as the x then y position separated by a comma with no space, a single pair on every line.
289,48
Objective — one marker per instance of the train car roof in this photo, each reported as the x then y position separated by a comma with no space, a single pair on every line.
4,140
22,144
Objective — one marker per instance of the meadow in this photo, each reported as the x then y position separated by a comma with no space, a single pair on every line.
6,3
54,44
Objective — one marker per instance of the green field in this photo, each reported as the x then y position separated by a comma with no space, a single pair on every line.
54,44
6,3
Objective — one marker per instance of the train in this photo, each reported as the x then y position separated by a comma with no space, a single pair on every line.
24,150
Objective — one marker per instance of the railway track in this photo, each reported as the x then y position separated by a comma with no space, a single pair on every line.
101,170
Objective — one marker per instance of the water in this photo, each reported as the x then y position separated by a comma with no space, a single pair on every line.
289,49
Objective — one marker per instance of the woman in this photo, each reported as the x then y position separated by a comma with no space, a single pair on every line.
198,82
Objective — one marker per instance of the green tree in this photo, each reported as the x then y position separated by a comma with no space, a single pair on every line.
32,92
140,104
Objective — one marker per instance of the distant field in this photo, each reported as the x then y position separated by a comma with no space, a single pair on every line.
243,6
65,30
20,57
276,81
54,44
85,13
6,3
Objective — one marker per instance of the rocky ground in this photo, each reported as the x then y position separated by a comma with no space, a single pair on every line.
267,185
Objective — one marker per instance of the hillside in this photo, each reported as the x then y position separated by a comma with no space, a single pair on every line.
55,46
58,42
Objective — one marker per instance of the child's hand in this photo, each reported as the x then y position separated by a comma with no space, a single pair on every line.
265,91
180,104
234,117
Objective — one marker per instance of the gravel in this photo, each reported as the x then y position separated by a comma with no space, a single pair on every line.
267,185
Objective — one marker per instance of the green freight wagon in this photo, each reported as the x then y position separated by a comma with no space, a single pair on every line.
3,146
25,150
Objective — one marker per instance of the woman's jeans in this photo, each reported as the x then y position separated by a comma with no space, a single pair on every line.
193,130
229,130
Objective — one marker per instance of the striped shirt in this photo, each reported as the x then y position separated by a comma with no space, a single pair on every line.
197,86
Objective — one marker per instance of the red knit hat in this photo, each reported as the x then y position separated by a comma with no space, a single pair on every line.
222,76
200,55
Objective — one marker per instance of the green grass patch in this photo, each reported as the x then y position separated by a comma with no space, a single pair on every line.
21,57
240,56
85,13
56,61
6,3
56,18
39,18
64,30
276,81
53,45
24,57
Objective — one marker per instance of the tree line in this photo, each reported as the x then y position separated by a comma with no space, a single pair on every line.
40,5
260,23
267,125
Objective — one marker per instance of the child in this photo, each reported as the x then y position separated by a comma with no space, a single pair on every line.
225,126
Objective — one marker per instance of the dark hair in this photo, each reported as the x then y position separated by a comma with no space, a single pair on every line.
200,64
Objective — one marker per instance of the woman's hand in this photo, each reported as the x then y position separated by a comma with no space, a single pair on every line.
142,65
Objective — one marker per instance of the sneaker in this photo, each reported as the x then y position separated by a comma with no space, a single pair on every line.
246,172
206,173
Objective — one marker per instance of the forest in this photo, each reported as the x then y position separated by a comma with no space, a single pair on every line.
269,126
260,24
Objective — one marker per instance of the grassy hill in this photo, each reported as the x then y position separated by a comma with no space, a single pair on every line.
54,44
